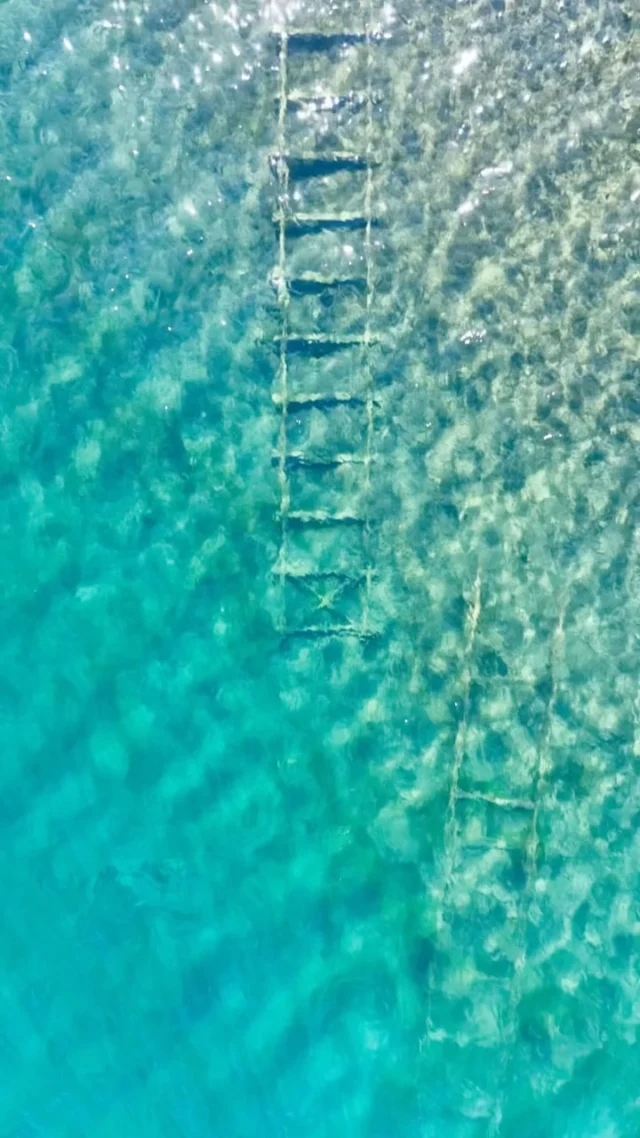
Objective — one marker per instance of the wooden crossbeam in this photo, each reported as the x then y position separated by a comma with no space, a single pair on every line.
317,343
324,518
312,284
320,400
304,101
496,800
299,458
312,39
314,165
316,631
302,224
325,575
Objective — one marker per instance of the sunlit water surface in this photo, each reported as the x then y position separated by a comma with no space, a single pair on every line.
266,887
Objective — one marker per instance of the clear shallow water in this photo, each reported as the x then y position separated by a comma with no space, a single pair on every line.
236,899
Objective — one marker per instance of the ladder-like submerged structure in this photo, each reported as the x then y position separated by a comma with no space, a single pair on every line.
491,893
325,223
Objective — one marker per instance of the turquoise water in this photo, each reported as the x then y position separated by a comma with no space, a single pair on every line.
263,884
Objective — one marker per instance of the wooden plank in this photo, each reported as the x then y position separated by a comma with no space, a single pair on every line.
326,574
318,344
313,39
311,284
324,518
298,458
321,401
319,39
496,800
319,165
317,631
302,224
303,101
